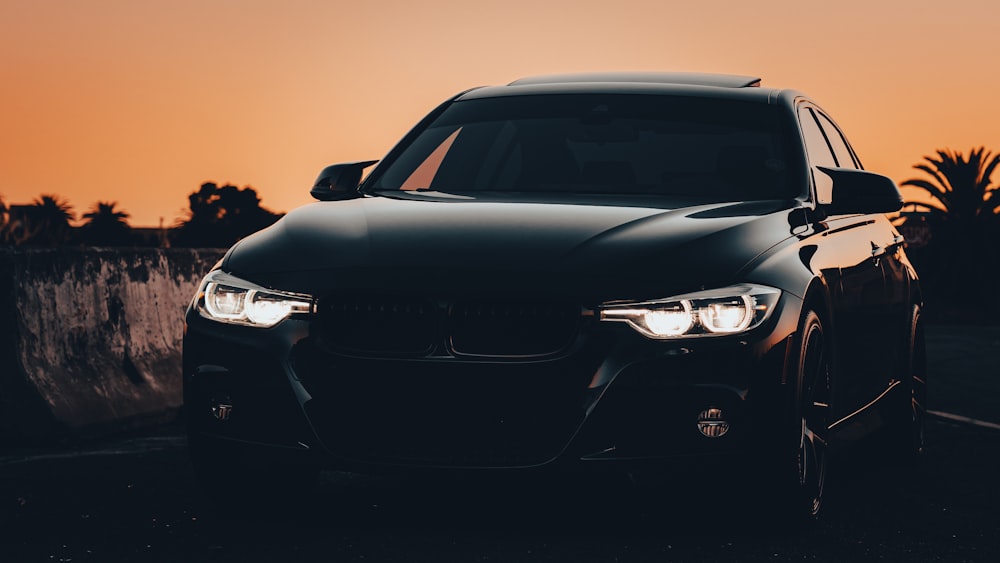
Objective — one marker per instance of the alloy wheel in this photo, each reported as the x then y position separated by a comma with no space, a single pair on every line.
815,412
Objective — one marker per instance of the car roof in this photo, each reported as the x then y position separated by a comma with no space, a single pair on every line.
689,78
730,86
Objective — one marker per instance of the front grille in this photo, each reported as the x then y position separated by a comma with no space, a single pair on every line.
511,328
412,327
380,327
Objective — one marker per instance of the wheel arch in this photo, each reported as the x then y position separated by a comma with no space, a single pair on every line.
817,296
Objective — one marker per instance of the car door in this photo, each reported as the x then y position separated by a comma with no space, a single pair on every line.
851,257
887,251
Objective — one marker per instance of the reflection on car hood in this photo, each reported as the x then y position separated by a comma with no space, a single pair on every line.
379,243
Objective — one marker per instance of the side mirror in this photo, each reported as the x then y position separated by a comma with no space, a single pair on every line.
858,191
339,181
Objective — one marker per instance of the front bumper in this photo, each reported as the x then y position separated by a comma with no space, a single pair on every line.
613,397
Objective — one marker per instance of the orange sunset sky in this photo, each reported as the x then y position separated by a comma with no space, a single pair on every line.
140,101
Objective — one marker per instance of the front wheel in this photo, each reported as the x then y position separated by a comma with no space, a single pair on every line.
798,469
814,411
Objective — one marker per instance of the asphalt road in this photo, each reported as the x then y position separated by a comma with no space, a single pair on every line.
135,499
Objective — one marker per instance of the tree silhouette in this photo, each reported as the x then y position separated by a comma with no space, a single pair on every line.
962,255
44,223
218,217
4,214
961,188
106,226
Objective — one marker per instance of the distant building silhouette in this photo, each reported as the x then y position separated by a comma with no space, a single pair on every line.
158,237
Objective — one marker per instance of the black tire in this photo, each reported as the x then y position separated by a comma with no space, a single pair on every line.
908,407
798,471
236,479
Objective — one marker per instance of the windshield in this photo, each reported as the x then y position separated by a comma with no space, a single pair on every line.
718,149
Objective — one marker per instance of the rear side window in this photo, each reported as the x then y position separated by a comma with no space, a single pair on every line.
616,144
819,152
844,154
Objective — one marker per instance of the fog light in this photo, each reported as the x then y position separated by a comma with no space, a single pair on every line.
711,424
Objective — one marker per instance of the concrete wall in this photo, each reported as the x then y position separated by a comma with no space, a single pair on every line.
90,339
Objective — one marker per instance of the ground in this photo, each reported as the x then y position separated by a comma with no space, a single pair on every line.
134,499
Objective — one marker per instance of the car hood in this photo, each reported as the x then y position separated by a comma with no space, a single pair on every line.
478,245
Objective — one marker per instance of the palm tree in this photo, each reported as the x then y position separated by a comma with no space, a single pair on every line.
46,221
106,226
963,253
961,189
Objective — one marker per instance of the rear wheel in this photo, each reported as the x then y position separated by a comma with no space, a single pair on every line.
908,409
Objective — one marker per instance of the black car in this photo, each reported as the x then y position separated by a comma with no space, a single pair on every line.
598,271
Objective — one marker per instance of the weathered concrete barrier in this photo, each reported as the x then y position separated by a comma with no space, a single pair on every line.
90,339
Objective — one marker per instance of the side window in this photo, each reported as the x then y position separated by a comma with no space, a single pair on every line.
845,157
818,150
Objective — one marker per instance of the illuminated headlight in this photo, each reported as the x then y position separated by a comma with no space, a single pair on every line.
729,310
229,299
